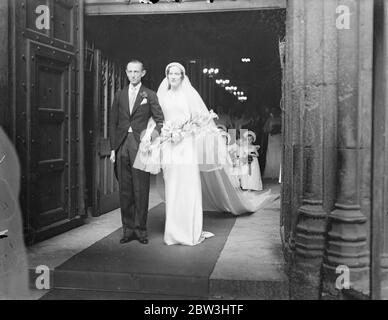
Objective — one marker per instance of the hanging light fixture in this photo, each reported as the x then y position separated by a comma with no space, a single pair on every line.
225,83
210,71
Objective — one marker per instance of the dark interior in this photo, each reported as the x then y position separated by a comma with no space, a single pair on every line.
207,39
197,40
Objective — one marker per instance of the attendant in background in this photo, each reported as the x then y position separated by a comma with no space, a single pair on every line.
251,180
273,157
233,170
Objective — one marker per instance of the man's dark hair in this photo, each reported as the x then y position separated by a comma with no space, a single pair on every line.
136,61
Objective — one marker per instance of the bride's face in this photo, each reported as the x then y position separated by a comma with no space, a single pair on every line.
174,77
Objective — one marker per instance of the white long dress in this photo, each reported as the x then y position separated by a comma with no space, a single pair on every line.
233,171
183,195
252,179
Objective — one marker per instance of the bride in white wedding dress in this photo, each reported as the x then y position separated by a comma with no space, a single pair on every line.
191,185
182,180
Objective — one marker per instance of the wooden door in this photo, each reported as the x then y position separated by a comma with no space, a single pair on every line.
48,132
109,77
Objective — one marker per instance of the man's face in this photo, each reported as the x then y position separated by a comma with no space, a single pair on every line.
135,72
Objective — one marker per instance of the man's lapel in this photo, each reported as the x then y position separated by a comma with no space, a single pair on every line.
126,99
138,100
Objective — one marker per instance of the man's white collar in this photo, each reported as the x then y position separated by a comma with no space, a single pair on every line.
135,87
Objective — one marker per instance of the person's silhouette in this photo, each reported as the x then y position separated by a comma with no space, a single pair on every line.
13,266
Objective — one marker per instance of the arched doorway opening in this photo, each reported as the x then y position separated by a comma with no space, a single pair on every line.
200,41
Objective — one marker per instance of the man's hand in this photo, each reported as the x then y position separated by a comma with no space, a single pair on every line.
154,135
112,156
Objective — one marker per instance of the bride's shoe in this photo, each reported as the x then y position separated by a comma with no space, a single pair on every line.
205,235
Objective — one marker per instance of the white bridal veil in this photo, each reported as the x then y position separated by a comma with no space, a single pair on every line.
195,102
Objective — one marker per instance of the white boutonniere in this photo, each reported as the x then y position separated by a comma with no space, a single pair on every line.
144,96
3,234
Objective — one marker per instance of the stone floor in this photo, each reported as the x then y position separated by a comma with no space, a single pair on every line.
250,265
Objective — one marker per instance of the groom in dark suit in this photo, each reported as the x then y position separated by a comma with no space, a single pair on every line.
132,108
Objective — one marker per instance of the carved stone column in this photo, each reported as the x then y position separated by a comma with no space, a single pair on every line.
293,85
292,167
311,107
347,242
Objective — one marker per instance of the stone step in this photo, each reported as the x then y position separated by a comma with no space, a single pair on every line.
139,283
77,294
249,290
106,285
159,284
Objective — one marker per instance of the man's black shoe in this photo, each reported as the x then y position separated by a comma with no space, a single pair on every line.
127,239
143,240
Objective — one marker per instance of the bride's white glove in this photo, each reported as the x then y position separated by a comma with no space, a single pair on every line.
112,156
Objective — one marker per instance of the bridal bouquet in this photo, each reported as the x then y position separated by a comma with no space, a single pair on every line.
149,157
175,132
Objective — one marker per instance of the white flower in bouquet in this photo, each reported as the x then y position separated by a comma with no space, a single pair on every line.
213,115
189,127
167,130
168,126
236,161
195,119
243,153
204,119
244,158
176,136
